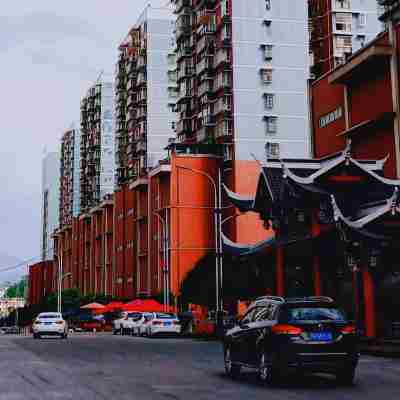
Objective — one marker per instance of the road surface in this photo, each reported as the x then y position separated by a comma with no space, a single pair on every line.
103,366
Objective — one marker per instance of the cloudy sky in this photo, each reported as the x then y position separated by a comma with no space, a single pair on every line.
50,52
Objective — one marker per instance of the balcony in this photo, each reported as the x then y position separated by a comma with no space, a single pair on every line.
224,128
183,25
202,134
141,147
366,61
180,4
141,79
205,64
222,105
183,127
142,63
185,51
205,88
199,4
185,94
185,72
222,57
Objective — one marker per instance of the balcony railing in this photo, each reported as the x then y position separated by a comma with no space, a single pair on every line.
205,64
205,87
222,56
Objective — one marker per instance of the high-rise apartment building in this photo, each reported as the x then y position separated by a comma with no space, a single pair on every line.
50,203
338,28
69,176
243,71
97,166
144,94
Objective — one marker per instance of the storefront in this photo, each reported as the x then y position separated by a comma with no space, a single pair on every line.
336,224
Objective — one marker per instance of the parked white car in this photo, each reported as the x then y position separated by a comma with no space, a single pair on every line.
129,322
160,324
50,324
117,323
137,328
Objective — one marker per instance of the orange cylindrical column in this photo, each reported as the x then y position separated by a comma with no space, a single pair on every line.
280,271
317,276
369,303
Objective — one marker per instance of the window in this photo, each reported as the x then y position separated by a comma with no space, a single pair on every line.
362,20
248,316
296,314
272,125
343,22
268,5
267,49
224,8
266,75
272,150
269,101
265,313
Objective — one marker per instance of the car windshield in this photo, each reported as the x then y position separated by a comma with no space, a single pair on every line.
49,316
134,315
312,314
165,316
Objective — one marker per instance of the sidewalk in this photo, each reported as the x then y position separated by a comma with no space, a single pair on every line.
381,347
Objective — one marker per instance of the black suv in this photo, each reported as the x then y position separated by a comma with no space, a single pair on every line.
277,336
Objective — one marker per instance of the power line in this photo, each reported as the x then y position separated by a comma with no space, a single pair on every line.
21,264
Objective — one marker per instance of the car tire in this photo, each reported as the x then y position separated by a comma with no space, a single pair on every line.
115,331
231,369
266,372
35,336
346,376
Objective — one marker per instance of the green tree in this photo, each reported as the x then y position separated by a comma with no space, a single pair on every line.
17,290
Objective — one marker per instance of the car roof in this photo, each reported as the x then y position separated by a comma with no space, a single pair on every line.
50,314
263,301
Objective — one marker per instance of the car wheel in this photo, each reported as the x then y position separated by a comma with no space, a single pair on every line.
231,369
346,376
267,374
35,336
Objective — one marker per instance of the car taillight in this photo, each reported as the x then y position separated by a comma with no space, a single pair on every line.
59,322
176,323
284,329
157,323
348,330
37,322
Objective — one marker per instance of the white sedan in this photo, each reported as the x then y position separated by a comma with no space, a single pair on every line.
129,322
160,324
50,324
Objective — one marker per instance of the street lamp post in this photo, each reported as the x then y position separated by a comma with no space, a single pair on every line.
218,241
61,277
166,259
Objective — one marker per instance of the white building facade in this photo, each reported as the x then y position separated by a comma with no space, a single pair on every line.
50,203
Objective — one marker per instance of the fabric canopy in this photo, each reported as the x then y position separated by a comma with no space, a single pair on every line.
114,306
144,306
93,306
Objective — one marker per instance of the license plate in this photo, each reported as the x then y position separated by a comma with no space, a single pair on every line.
321,336
167,323
48,323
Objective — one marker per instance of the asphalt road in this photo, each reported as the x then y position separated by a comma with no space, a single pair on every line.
114,367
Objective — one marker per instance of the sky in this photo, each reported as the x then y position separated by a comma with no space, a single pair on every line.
50,53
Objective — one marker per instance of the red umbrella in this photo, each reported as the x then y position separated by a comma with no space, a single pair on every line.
93,306
144,306
114,306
